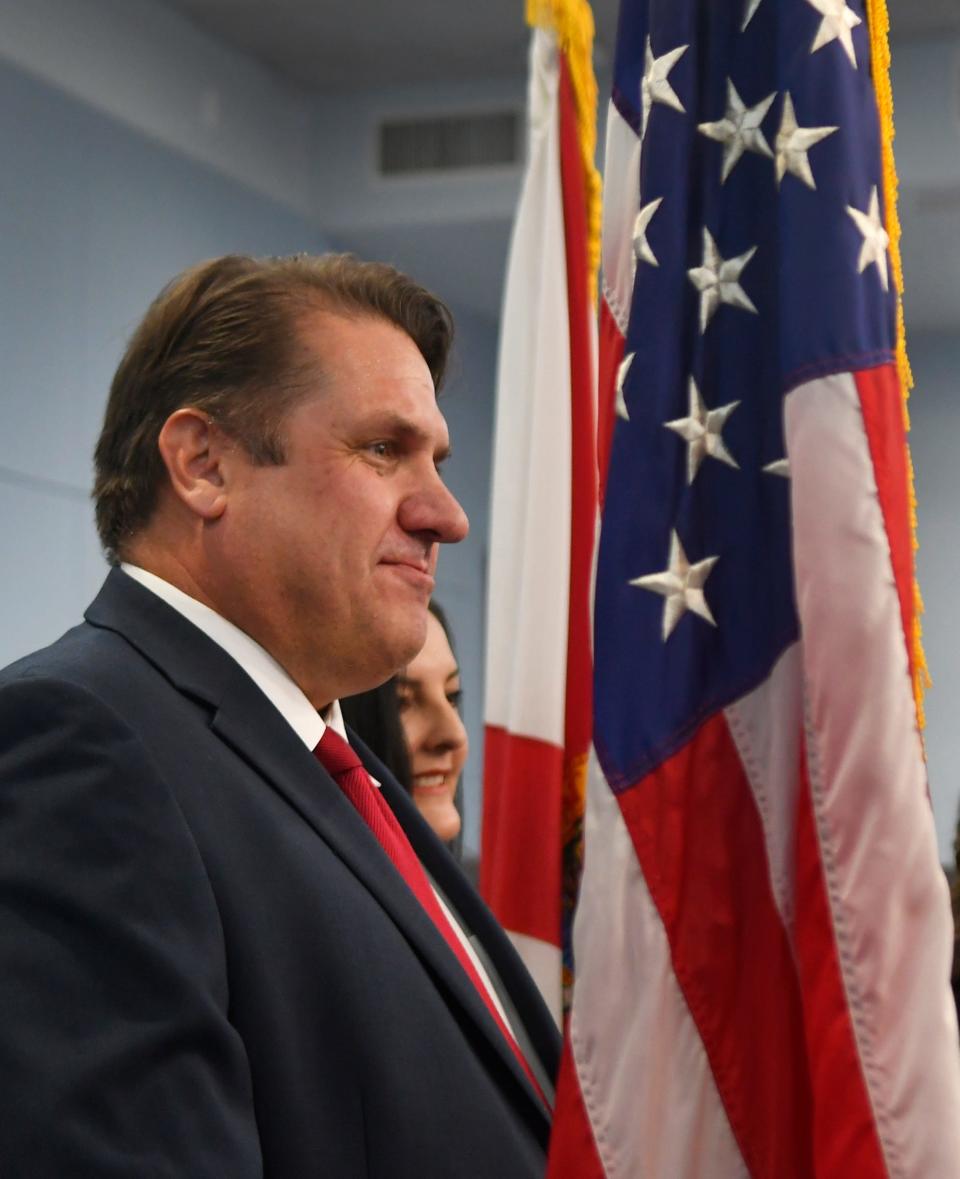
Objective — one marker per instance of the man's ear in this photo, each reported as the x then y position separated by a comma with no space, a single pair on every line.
192,448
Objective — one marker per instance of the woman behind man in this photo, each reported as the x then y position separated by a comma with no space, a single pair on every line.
412,723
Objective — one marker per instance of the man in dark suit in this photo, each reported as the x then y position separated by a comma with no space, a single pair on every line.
224,952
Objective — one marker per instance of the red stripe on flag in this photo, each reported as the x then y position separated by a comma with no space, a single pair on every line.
882,405
521,819
700,842
578,719
844,1133
611,353
573,1149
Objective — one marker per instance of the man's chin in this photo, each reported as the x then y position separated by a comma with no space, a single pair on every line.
405,652
399,643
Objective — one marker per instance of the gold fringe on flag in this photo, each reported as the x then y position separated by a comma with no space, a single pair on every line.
878,23
572,21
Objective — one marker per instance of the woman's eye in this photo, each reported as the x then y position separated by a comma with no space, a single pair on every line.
455,698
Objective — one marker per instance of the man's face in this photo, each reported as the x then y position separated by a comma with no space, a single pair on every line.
331,556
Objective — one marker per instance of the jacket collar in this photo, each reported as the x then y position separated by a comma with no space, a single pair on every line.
245,720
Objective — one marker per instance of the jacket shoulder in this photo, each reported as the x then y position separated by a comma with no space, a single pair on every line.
74,656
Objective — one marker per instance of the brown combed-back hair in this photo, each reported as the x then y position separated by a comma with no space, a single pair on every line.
222,338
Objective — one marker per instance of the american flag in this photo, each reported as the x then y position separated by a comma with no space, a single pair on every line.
762,945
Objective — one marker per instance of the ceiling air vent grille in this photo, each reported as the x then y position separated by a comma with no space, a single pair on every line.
450,144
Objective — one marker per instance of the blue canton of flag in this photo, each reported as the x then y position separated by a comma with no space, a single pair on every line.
760,264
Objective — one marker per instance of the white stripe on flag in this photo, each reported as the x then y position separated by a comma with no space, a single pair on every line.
621,199
765,726
887,895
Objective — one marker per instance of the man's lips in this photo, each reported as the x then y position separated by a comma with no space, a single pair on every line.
414,570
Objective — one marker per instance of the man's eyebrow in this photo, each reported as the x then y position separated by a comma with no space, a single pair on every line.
396,426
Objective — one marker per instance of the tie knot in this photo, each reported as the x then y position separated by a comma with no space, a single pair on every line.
335,754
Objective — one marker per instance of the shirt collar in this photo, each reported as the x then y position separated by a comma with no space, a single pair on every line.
259,665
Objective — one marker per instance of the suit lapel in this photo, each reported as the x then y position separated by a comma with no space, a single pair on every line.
249,723
275,751
444,872
522,995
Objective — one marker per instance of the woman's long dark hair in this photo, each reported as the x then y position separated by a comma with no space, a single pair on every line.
375,717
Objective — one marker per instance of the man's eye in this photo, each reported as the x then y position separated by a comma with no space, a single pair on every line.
381,449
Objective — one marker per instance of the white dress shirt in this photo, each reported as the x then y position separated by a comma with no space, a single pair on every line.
288,700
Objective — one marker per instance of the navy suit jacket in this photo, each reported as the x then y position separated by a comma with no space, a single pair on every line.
208,967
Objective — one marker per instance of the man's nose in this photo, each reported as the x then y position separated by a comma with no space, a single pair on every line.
436,511
456,524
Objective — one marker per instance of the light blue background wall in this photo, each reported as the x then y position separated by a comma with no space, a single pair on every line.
468,407
935,443
94,218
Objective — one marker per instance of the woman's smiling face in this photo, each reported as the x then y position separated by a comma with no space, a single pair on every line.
428,691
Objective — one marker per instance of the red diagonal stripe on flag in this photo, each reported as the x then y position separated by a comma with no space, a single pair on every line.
700,843
882,405
844,1133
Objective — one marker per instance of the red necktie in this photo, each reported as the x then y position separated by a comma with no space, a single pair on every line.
340,761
